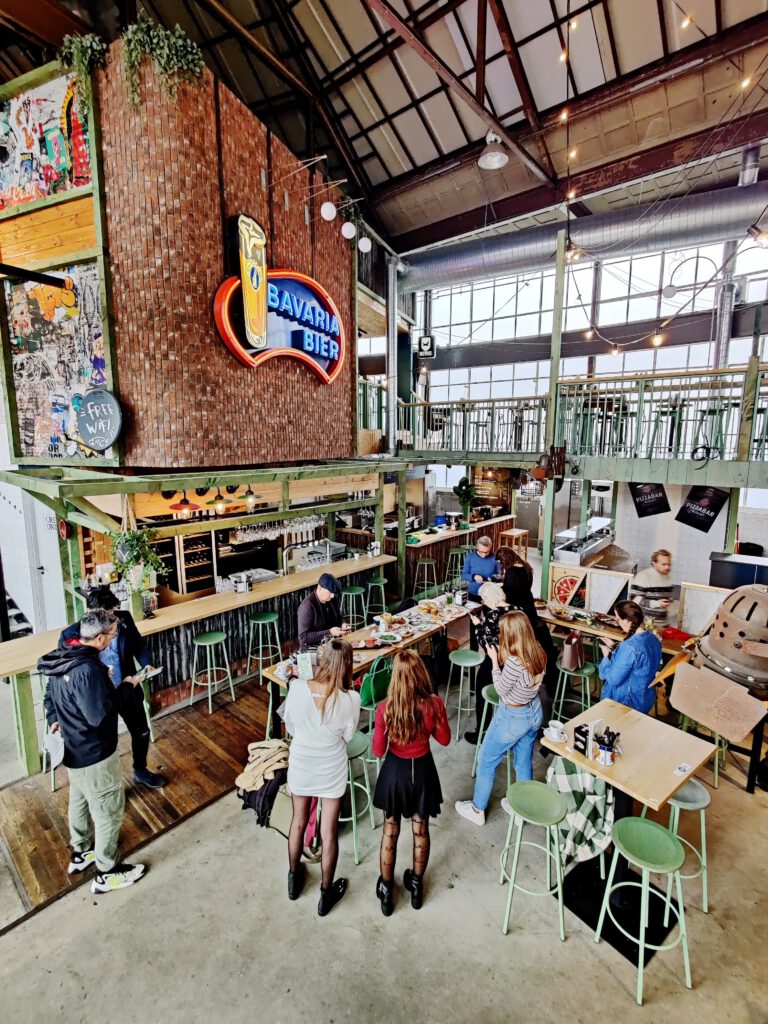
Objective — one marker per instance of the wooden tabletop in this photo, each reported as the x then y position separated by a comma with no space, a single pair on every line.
425,539
363,659
652,750
23,654
603,632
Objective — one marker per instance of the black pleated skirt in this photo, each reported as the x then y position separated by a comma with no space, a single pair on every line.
408,786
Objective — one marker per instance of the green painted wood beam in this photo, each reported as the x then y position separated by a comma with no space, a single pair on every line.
108,523
192,526
25,724
732,521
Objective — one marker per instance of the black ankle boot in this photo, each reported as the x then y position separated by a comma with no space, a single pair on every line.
385,891
414,884
296,881
330,897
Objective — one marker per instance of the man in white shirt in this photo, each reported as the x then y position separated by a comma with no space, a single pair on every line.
653,590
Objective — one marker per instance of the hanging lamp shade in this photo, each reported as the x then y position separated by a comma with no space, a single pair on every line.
219,499
184,506
364,244
348,229
494,156
328,210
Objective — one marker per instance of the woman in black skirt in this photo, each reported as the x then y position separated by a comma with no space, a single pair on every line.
408,784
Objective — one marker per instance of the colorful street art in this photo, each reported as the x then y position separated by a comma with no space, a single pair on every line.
43,143
57,354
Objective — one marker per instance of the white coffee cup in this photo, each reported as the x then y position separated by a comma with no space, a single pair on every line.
556,730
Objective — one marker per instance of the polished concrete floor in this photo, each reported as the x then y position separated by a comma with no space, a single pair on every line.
209,935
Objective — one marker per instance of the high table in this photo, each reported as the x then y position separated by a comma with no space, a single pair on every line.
169,635
601,632
652,753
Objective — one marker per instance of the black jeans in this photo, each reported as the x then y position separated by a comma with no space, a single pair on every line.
131,710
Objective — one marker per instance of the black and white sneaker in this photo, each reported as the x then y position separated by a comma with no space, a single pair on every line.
80,860
120,877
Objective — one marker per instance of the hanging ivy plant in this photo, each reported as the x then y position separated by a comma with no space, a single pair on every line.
176,57
133,554
83,54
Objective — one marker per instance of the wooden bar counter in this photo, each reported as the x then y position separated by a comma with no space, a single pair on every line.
169,636
430,545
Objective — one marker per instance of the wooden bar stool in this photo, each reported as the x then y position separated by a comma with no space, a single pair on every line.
468,662
353,608
534,803
214,674
652,848
376,598
425,581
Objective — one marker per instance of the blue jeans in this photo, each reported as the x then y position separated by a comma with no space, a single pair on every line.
512,729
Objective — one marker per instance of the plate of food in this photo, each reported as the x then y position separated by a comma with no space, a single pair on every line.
429,607
371,644
388,638
539,603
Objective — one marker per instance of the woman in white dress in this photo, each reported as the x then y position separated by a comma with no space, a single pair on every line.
321,715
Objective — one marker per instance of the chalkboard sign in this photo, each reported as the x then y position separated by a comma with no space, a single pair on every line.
99,419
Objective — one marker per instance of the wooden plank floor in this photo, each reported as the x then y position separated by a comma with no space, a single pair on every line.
202,755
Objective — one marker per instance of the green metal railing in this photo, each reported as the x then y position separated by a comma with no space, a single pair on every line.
492,425
371,405
673,416
759,435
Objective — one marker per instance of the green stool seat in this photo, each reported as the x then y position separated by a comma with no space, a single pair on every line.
721,746
583,678
534,803
213,673
467,662
376,597
652,848
425,580
692,796
357,748
353,606
265,649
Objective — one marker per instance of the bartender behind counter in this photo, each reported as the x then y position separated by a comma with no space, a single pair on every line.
319,613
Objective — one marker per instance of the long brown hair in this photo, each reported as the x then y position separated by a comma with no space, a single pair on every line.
334,671
517,639
509,559
409,687
632,612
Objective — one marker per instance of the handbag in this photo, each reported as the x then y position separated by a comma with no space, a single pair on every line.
572,658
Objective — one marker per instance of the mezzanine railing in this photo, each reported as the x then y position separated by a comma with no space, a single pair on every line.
487,426
371,405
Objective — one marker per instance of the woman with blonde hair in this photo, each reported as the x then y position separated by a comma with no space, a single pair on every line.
321,714
408,784
518,670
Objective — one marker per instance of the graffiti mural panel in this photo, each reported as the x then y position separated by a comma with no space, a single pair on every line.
57,354
43,143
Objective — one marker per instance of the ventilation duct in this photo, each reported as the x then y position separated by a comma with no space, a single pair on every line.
704,219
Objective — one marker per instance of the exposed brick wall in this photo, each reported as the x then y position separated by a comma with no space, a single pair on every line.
170,188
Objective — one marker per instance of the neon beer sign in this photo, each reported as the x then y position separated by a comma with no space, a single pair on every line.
263,314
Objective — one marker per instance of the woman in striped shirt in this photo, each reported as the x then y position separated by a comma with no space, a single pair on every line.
518,670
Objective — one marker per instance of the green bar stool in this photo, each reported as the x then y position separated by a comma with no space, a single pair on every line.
453,569
373,691
358,748
692,796
721,746
654,849
491,697
267,640
425,581
353,606
214,674
582,677
534,803
468,662
376,598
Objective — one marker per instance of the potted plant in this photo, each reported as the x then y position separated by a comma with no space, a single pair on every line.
465,492
138,562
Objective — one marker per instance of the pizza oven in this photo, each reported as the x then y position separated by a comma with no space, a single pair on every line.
737,643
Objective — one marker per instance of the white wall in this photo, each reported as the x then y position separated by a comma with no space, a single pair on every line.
689,548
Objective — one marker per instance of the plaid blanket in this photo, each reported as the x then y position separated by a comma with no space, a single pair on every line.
585,832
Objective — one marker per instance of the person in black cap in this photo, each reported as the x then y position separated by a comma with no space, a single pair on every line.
120,657
320,613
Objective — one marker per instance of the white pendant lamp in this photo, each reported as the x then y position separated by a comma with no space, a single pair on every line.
364,244
494,156
328,210
348,229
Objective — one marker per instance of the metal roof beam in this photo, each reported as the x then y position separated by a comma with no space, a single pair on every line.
45,20
430,58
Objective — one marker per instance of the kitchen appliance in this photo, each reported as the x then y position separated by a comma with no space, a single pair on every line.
453,519
412,523
484,511
580,544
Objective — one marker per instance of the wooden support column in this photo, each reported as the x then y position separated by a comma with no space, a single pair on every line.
586,497
547,535
402,500
27,743
331,521
733,520
748,409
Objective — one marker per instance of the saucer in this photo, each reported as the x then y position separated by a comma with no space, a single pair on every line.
555,737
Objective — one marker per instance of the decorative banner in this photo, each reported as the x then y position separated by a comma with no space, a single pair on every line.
99,419
701,507
649,499
265,314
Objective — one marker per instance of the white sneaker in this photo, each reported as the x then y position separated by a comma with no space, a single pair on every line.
120,877
468,810
505,806
80,860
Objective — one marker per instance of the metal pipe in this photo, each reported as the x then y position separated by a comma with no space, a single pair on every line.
679,223
393,262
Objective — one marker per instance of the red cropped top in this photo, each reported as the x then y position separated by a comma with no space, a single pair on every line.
434,723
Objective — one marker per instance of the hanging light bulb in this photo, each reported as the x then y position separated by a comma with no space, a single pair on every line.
686,21
219,502
364,244
572,153
328,210
615,350
250,499
759,235
574,23
572,194
348,229
745,82
657,339
589,335
563,56
572,252
564,114
184,507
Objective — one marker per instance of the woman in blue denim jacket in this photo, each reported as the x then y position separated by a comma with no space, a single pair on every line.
627,669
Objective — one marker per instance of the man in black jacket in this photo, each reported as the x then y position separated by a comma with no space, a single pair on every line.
319,614
120,658
80,702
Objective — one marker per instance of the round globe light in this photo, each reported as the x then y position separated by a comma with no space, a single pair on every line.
328,210
364,244
348,229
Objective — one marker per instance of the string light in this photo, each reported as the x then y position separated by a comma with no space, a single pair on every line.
572,194
572,153
564,114
657,339
589,335
746,82
615,350
563,56
759,235
574,23
686,21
